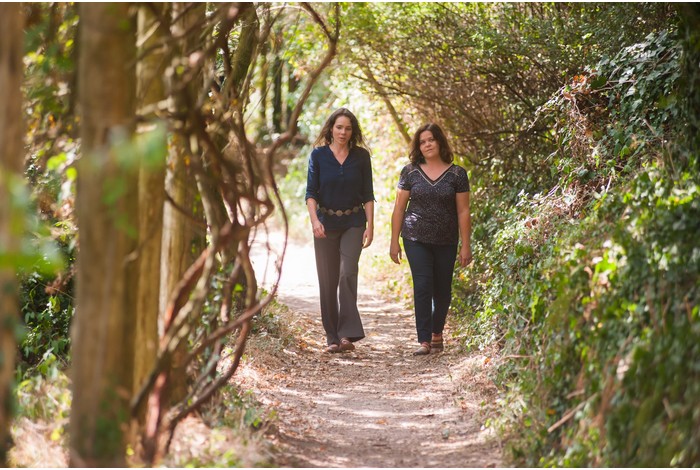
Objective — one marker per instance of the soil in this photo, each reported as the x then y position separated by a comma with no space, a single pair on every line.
377,406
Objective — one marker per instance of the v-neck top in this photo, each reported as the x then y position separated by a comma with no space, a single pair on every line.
431,215
337,187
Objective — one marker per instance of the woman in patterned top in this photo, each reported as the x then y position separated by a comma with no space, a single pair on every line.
340,200
436,192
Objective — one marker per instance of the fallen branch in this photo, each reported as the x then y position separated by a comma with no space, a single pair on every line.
568,415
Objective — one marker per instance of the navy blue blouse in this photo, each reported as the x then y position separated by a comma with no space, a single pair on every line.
337,187
431,216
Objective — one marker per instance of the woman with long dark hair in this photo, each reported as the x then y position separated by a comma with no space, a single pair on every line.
340,200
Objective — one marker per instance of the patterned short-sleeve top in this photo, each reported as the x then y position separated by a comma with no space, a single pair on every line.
431,216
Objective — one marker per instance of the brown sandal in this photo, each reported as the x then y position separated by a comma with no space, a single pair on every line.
346,345
424,349
436,343
332,348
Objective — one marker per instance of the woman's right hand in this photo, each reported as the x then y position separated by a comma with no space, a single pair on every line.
395,252
318,229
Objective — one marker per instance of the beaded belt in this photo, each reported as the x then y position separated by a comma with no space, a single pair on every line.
339,212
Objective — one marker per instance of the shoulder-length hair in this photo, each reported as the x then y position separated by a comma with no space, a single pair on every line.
445,151
326,135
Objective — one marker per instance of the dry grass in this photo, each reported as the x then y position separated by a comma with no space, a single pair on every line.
38,430
222,436
38,444
229,432
197,444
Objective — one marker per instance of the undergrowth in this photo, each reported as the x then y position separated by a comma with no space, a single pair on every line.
229,431
591,287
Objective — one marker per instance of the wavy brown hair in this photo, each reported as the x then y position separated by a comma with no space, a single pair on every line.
326,135
445,150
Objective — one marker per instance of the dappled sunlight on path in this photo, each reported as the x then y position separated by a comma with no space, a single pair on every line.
378,406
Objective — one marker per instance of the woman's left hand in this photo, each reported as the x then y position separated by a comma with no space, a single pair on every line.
367,237
465,255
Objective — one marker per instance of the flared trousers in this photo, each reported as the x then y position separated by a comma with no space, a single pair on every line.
337,265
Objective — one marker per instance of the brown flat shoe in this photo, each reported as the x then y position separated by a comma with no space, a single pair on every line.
424,349
332,348
346,345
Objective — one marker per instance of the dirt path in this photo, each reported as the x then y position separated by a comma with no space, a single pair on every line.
378,406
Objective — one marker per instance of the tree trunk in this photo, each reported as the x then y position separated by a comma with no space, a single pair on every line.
11,159
179,231
262,87
292,86
150,91
177,242
245,49
277,84
107,212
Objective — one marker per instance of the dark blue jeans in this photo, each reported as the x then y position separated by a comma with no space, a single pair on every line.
432,267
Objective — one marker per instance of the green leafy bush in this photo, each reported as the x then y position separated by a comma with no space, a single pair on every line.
593,287
46,307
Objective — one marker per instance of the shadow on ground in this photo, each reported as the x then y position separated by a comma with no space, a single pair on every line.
378,406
